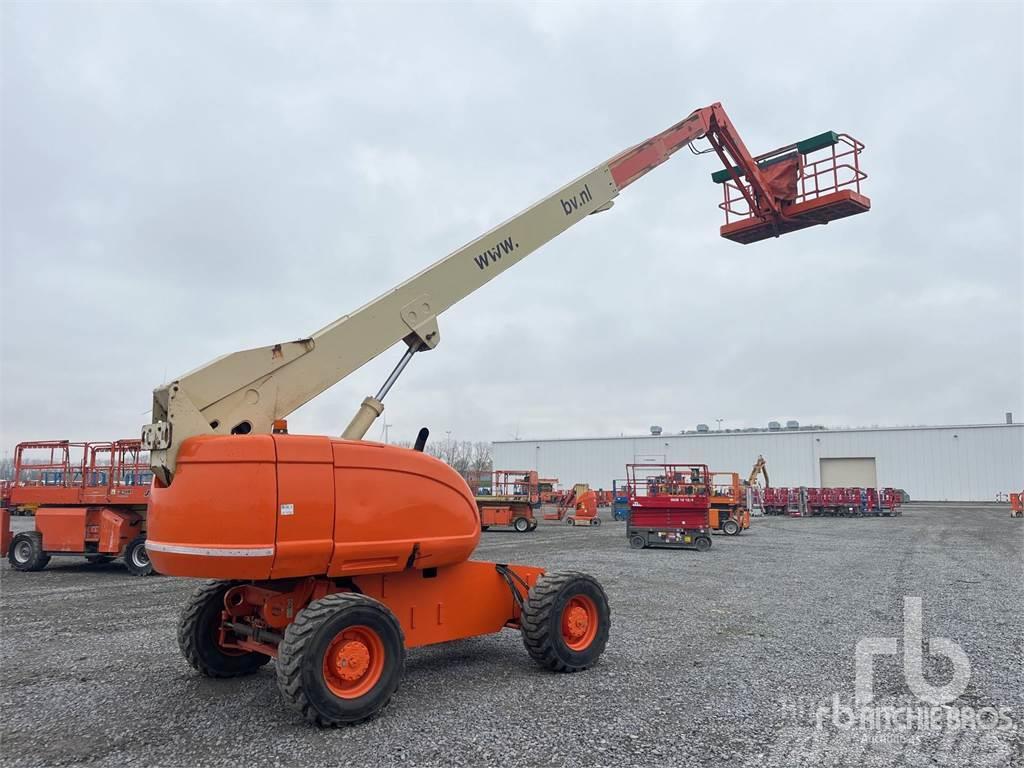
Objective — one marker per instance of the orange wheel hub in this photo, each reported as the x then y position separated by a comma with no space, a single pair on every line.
579,622
354,662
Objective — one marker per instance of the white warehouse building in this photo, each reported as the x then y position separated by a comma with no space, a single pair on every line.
972,462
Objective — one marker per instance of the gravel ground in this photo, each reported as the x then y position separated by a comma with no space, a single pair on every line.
717,658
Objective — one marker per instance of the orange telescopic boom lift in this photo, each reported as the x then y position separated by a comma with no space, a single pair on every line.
334,556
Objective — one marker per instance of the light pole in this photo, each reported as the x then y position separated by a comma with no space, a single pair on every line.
536,459
719,424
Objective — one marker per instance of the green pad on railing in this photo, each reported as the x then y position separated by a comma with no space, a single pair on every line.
813,144
805,147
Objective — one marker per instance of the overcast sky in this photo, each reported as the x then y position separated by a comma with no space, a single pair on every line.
182,180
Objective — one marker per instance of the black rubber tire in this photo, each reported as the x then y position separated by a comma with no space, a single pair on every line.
542,615
136,559
521,524
197,635
300,659
702,543
99,559
569,521
637,541
533,527
730,528
26,552
596,522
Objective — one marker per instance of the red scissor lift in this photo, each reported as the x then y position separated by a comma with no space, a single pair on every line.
88,499
669,506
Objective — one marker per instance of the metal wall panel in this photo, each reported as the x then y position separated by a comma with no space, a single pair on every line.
959,463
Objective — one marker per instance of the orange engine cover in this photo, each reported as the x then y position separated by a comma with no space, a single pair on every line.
283,506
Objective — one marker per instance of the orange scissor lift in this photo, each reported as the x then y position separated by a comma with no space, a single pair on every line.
333,556
514,494
88,499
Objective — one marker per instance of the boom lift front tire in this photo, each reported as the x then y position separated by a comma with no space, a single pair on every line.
565,621
199,629
26,552
136,559
341,660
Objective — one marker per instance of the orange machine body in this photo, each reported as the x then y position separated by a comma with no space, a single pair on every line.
286,506
585,509
300,517
70,529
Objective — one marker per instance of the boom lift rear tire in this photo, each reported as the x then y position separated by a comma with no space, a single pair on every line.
565,621
730,528
136,559
26,552
341,660
199,628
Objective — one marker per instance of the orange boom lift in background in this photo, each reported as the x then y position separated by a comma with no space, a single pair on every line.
333,556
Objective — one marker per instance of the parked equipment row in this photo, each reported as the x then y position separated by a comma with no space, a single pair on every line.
842,502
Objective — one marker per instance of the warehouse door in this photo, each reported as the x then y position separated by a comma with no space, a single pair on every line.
849,473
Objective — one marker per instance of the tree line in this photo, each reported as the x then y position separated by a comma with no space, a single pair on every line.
464,456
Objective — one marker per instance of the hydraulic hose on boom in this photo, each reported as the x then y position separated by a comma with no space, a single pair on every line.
245,392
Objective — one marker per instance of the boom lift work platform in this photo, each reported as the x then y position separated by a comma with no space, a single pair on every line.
335,555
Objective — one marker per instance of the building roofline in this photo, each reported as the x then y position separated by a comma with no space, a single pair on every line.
759,433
